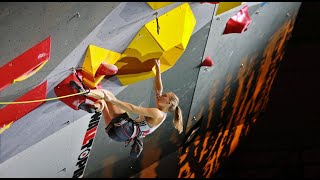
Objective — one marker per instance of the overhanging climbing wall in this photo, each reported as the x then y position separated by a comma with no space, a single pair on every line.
55,140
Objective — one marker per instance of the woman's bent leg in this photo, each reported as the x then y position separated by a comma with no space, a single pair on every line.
113,109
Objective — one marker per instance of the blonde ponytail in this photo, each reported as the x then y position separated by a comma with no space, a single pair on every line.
177,120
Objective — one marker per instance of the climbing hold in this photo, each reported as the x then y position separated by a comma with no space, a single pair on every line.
14,112
207,62
137,61
18,70
64,88
288,14
239,22
209,2
106,69
242,65
94,57
257,12
226,6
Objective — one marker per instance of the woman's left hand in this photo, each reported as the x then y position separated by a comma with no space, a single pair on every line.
108,96
157,62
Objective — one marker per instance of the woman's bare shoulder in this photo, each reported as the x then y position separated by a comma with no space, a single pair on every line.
155,121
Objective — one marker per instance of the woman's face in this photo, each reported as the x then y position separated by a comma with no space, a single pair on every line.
164,99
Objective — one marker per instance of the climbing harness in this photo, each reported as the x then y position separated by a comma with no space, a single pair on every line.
136,133
136,130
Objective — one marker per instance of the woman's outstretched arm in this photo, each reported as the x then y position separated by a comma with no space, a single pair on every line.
157,80
128,107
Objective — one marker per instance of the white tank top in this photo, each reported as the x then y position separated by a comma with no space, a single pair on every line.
146,129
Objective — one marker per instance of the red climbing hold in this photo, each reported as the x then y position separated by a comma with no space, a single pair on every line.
64,88
207,62
239,22
13,112
106,69
26,64
209,2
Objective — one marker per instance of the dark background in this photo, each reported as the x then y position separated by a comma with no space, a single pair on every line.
286,141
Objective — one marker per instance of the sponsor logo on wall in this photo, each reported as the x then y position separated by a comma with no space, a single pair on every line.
86,145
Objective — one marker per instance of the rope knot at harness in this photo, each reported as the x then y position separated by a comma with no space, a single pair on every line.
135,136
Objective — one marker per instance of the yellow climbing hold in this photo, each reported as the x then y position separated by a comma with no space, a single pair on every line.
137,62
94,57
176,27
143,47
226,6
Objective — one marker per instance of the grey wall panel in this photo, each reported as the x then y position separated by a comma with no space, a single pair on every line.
227,51
24,24
35,126
203,14
231,100
50,116
55,156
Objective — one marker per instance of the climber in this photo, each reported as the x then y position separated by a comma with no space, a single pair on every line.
120,127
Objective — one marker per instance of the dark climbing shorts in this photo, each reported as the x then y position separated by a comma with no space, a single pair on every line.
120,133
